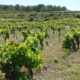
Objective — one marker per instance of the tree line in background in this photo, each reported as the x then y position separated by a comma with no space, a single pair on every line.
37,8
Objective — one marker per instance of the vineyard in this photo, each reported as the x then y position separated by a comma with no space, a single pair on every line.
40,50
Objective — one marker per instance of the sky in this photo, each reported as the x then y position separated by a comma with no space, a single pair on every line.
73,5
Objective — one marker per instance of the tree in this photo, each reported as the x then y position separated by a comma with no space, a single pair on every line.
17,7
54,8
5,7
11,8
44,9
28,9
58,8
49,7
34,8
64,8
39,7
23,8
